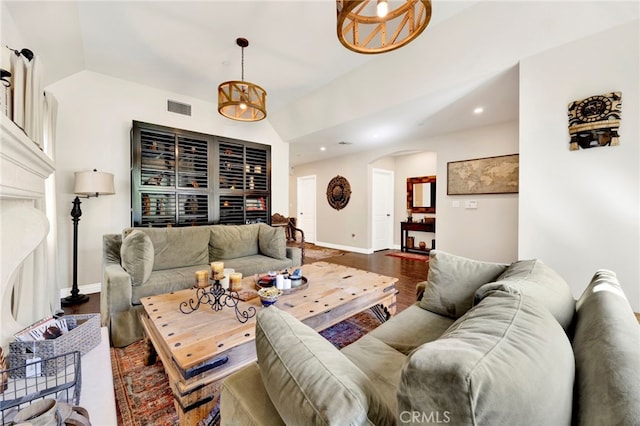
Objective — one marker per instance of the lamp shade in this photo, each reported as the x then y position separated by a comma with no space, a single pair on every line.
93,183
378,26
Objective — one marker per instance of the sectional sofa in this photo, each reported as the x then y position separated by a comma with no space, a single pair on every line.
143,262
486,344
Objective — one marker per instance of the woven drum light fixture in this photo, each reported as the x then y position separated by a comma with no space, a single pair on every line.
378,26
241,100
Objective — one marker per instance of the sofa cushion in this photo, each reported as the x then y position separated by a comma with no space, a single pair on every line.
308,380
272,242
243,408
166,281
411,328
380,363
232,241
536,280
178,247
257,264
505,362
137,255
606,345
453,280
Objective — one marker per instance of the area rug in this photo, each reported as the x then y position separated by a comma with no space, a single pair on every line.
410,256
315,253
143,397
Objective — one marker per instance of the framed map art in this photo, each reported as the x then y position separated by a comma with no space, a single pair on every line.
491,175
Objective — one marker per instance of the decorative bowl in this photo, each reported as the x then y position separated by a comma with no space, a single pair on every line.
265,281
269,295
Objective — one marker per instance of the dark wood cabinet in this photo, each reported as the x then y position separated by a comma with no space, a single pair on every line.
429,225
180,177
244,181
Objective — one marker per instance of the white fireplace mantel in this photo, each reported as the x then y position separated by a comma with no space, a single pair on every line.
24,291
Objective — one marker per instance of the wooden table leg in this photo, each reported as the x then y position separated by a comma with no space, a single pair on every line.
150,354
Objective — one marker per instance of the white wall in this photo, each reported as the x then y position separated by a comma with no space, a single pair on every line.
488,233
94,120
406,166
579,210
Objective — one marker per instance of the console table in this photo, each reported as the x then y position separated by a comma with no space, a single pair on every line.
429,225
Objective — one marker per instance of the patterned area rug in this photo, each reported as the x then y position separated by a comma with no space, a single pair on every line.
143,397
410,256
313,253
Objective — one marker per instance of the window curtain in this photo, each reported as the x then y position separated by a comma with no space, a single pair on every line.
23,102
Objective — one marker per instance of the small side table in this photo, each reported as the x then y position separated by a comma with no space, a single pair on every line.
429,225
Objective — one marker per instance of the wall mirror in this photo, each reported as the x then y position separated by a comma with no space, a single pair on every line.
421,194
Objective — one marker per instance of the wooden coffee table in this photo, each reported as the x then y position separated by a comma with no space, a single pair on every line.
200,349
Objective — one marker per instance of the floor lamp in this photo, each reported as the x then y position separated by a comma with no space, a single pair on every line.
87,185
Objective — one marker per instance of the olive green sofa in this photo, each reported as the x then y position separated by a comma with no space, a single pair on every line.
487,344
143,262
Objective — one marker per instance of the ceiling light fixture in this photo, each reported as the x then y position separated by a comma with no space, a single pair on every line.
369,26
241,100
478,110
382,8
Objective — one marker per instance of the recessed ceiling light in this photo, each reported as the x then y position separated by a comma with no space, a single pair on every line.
478,110
322,148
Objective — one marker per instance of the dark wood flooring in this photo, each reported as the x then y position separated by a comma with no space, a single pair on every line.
408,272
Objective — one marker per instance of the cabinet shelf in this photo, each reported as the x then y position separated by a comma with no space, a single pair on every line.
180,177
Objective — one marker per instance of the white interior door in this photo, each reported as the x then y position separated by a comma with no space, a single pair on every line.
306,212
382,208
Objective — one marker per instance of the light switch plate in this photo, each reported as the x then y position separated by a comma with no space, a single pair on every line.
471,204
455,203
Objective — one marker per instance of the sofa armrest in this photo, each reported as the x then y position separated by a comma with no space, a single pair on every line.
116,292
295,254
420,287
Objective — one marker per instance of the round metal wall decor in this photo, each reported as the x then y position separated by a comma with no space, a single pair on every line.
338,192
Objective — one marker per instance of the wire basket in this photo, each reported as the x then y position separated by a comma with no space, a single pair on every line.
18,392
83,335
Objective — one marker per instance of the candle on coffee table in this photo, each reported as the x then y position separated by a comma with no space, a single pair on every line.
202,278
235,281
224,282
217,270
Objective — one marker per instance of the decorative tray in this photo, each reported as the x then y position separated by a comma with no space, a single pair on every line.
264,282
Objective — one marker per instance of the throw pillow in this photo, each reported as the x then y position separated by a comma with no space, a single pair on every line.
137,255
233,241
537,281
453,280
507,361
178,246
309,381
272,242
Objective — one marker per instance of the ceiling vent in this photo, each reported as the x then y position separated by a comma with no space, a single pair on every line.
345,143
178,107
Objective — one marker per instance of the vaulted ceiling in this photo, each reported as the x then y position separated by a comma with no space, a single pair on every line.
319,93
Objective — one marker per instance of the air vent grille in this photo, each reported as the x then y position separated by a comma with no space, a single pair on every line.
178,107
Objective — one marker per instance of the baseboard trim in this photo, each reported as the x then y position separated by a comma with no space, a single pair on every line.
84,289
349,248
346,248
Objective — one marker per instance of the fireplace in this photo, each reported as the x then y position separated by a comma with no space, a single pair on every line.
26,294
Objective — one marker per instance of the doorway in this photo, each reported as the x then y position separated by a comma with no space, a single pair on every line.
382,203
306,208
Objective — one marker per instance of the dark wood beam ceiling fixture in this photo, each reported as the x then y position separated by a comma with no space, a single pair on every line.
378,26
242,100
